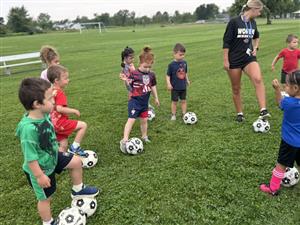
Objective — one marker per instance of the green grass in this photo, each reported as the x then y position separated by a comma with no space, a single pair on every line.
203,174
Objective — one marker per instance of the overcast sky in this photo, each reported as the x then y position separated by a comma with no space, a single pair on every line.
69,9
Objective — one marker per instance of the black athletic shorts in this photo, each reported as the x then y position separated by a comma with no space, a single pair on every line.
288,154
63,160
175,94
283,77
243,63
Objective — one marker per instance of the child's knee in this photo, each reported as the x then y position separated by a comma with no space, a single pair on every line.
82,125
77,163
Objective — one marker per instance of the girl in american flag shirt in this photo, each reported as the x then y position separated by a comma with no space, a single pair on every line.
142,82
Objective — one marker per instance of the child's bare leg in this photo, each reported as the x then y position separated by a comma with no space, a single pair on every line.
44,209
81,129
63,145
173,107
75,166
183,106
128,128
144,127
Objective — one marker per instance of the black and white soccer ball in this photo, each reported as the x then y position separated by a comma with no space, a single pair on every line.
291,177
87,205
261,126
134,146
190,118
71,216
90,160
151,114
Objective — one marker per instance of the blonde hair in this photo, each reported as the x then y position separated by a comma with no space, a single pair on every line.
146,55
48,53
252,4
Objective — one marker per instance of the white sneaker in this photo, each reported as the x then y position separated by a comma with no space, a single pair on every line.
173,117
123,146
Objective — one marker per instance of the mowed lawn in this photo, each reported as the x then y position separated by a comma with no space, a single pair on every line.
207,173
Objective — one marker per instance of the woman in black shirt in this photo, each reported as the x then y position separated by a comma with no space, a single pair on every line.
240,45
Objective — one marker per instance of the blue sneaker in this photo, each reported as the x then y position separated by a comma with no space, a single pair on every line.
86,191
77,151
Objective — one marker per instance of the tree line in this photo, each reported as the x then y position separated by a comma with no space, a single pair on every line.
18,19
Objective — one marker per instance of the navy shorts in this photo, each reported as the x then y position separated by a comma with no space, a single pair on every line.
63,160
283,77
175,95
135,109
288,154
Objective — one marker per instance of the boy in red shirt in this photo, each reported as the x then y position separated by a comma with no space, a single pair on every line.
64,127
290,56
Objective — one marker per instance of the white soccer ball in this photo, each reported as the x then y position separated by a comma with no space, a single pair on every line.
291,177
87,205
190,118
91,159
134,146
71,216
151,114
261,126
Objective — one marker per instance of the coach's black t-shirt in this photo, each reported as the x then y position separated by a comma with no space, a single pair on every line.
238,38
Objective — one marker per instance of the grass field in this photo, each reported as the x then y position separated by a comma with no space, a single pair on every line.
208,173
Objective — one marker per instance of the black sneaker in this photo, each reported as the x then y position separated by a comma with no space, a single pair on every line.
240,118
55,222
264,114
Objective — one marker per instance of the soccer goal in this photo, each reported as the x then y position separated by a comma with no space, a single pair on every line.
94,25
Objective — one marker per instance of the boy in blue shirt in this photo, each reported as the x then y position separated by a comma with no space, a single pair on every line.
40,148
177,79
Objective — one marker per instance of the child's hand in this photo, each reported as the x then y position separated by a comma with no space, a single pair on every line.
44,181
169,87
123,76
76,112
272,67
275,84
157,102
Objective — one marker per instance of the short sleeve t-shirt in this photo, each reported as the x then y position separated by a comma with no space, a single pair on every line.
60,99
290,59
290,130
177,71
238,38
44,75
141,84
38,142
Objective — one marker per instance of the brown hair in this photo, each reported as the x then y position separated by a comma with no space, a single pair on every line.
179,48
32,89
293,78
290,38
48,53
146,55
54,72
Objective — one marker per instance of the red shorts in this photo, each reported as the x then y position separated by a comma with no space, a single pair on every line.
65,128
144,114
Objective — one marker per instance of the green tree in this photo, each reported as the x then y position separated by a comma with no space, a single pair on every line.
44,21
3,29
19,20
208,11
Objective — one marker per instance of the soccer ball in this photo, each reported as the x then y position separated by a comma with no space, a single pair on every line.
91,159
291,177
190,118
261,126
87,205
71,216
151,114
134,146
